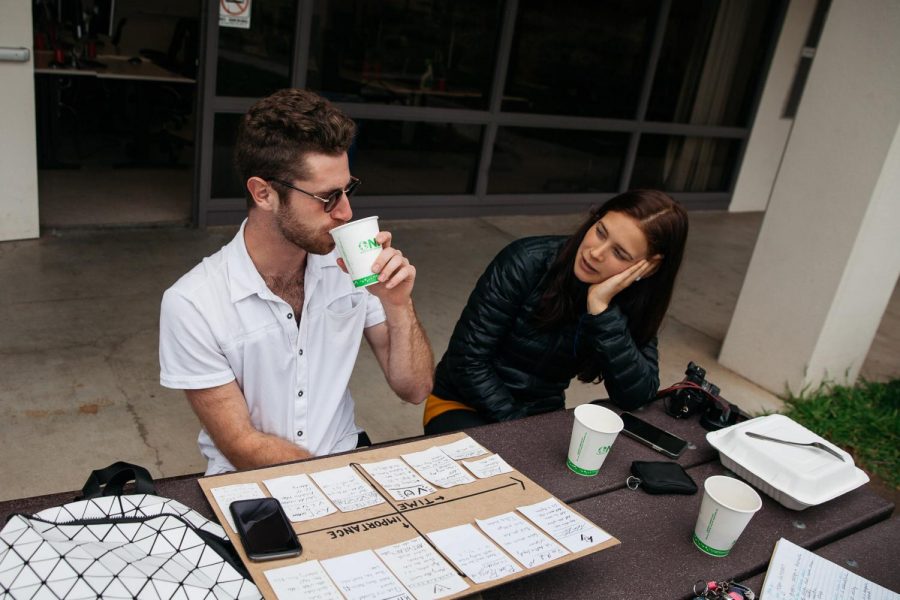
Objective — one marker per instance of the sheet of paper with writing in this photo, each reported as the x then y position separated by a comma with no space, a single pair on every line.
421,569
464,448
521,539
401,482
305,581
346,489
300,499
438,468
227,494
795,573
488,467
474,554
361,576
571,530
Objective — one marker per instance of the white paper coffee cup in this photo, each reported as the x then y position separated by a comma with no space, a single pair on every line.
727,506
356,244
593,434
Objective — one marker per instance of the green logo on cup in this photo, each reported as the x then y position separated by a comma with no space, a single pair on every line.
603,449
368,245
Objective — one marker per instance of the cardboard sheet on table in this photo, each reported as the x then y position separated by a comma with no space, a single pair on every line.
343,533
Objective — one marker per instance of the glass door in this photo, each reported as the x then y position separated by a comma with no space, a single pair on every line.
251,50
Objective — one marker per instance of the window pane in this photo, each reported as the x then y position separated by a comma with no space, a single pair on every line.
225,183
256,62
582,58
537,161
437,53
404,157
712,58
685,164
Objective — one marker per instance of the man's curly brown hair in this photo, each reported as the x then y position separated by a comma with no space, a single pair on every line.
278,132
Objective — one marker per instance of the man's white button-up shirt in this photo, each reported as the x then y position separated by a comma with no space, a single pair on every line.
220,322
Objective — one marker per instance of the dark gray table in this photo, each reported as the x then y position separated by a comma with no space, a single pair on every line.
656,558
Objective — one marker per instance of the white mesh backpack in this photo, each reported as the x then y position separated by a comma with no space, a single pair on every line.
116,545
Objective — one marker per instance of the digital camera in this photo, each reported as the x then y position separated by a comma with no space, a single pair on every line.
695,395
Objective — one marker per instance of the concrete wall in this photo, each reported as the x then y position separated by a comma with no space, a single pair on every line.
770,132
827,257
18,150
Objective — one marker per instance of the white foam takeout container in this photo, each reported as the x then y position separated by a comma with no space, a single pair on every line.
796,477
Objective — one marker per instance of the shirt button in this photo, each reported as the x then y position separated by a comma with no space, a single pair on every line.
299,433
290,316
301,351
300,394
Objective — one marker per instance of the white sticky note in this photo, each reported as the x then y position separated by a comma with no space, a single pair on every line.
346,489
473,553
464,448
571,530
525,542
438,468
488,467
304,581
227,494
421,569
301,500
361,576
401,482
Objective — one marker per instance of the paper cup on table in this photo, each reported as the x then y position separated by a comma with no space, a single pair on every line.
593,434
727,506
356,244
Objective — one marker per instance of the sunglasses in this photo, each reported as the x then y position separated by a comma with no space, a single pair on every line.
332,198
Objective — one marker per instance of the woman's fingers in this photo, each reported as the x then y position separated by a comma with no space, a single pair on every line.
632,273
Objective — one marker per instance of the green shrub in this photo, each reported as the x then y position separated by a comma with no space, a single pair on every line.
863,419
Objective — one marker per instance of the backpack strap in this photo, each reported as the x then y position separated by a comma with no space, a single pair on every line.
111,481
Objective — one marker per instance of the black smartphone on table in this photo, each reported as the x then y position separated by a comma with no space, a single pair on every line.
660,440
265,531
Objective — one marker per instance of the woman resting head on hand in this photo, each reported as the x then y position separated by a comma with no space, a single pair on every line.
551,308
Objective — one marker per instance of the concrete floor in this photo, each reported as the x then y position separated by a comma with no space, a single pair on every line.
78,337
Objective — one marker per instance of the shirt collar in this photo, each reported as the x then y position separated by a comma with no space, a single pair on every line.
244,280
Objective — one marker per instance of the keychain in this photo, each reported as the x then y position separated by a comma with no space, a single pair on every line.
722,590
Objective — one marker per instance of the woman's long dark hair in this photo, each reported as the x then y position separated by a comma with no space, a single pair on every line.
664,222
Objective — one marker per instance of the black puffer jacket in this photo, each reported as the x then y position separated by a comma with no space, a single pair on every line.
501,365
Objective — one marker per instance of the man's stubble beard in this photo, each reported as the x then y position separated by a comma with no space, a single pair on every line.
301,235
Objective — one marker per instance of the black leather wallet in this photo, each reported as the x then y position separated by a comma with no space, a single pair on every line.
661,478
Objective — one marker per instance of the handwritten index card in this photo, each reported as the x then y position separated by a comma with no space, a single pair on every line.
421,569
361,576
305,581
571,530
227,494
796,574
300,499
464,448
488,467
473,553
346,489
401,482
438,468
521,539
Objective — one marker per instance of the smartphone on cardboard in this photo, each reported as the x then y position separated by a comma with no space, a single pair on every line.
660,440
265,531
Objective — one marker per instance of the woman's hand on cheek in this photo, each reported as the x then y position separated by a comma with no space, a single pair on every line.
601,294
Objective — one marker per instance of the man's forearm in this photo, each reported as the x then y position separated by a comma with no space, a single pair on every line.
260,450
410,367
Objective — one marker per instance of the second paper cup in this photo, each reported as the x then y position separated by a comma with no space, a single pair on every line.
726,508
593,434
